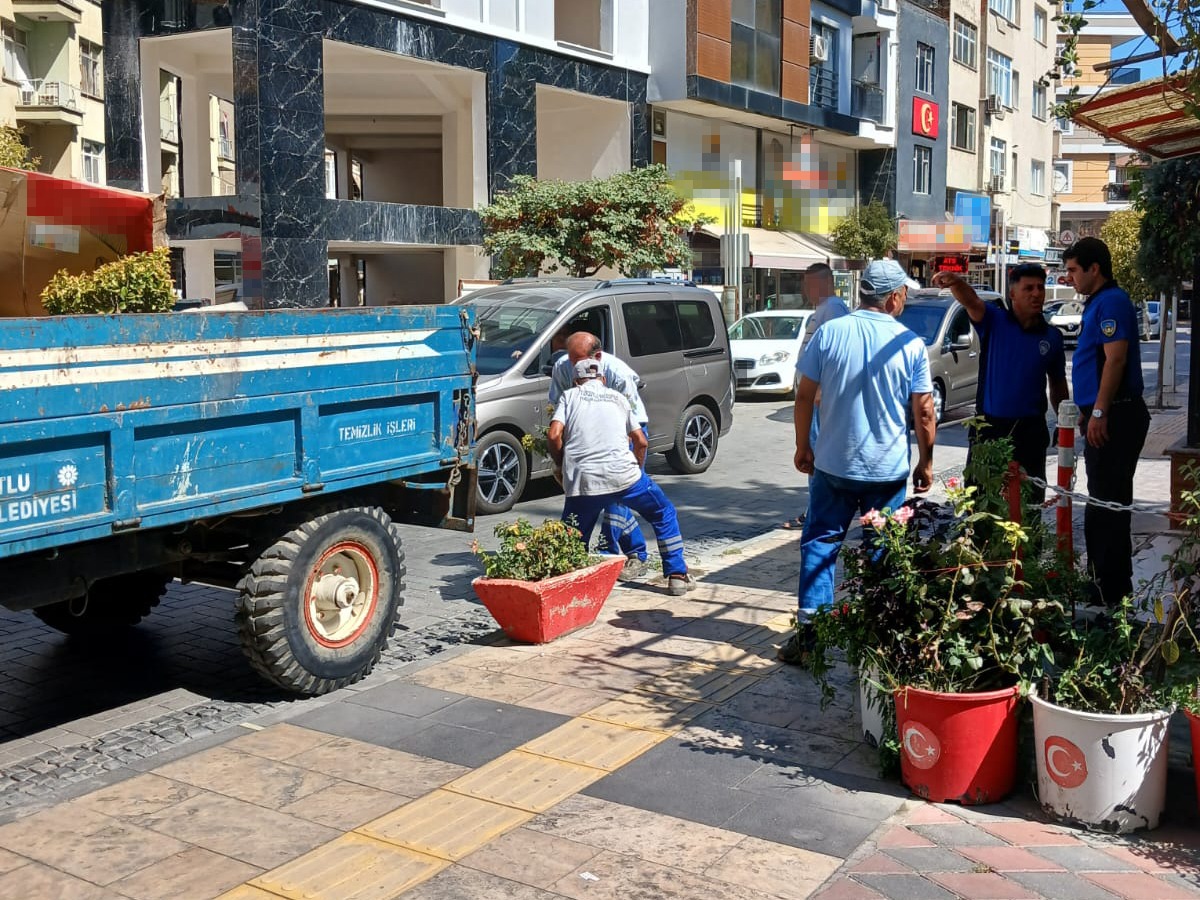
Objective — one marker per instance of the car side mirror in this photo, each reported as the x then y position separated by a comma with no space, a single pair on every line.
962,343
547,369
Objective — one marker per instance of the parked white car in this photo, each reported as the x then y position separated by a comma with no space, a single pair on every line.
1067,318
765,347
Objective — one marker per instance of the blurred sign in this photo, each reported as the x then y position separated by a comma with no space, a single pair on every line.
974,212
932,237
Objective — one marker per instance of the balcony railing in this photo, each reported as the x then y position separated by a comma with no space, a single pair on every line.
1118,192
866,101
225,148
169,129
823,87
57,94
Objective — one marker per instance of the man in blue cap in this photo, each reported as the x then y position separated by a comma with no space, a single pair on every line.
870,371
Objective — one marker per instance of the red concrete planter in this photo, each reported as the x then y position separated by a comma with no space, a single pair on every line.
535,612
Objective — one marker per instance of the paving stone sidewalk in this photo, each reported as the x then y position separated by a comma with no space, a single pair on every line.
662,752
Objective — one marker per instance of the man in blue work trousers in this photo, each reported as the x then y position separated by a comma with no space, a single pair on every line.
596,439
870,371
619,529
1021,354
1107,376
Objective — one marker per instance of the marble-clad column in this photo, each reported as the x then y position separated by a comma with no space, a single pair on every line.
122,94
512,116
279,123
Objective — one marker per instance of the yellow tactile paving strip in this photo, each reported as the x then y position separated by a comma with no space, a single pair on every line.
445,824
351,867
601,745
399,850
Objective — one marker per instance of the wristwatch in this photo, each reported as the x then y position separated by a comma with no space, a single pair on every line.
1097,414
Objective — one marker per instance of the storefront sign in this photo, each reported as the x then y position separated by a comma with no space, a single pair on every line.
924,118
955,264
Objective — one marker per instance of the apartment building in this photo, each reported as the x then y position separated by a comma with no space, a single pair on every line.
1001,134
336,152
53,83
791,91
1091,177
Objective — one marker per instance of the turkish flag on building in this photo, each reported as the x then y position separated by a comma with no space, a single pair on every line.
924,118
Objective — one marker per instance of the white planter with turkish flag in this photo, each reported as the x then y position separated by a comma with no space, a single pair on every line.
1102,771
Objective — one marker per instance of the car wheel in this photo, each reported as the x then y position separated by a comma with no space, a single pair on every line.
939,402
695,441
503,472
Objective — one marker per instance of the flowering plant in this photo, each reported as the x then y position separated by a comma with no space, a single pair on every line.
531,554
948,597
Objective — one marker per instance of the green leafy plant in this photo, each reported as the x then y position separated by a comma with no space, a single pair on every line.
634,222
1121,231
531,554
1168,195
14,152
868,232
138,283
952,598
1145,655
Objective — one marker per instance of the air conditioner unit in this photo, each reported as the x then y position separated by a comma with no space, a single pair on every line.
819,49
994,106
996,185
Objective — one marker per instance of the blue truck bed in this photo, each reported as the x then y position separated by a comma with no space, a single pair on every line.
115,424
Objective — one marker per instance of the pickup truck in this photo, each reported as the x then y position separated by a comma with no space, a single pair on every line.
272,452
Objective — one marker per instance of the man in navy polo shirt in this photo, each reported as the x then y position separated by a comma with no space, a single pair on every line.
1107,375
1020,355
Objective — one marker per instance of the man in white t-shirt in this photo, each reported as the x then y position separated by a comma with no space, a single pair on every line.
619,529
590,436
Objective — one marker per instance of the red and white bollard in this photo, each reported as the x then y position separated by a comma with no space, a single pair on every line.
1068,419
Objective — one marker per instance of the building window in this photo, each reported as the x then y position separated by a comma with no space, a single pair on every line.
584,23
1041,108
999,76
227,267
1007,9
997,156
962,127
16,54
966,37
755,32
924,68
1063,172
91,79
1039,25
1064,125
823,76
356,179
93,162
1016,91
330,175
1037,178
922,170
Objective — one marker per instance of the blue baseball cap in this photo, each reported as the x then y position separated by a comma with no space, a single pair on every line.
881,277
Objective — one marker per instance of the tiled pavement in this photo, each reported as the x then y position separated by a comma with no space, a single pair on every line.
659,753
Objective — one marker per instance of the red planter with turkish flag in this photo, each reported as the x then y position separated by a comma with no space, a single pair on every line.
958,747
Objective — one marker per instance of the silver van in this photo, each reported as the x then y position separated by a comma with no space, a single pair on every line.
672,334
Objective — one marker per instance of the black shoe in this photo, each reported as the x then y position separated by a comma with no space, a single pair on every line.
797,651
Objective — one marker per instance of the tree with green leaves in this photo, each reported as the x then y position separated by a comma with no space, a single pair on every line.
867,233
14,154
634,222
1122,233
1168,196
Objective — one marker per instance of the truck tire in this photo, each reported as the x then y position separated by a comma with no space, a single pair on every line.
318,606
111,604
695,441
503,470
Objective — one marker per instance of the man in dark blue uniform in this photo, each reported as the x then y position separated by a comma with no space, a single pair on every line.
1021,354
1107,375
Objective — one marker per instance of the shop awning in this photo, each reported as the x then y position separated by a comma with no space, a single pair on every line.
787,250
1150,116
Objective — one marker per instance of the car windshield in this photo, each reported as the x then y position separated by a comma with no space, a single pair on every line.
1152,305
506,332
1050,309
924,321
767,328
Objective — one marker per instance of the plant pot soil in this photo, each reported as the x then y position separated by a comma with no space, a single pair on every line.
958,747
535,612
1102,771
